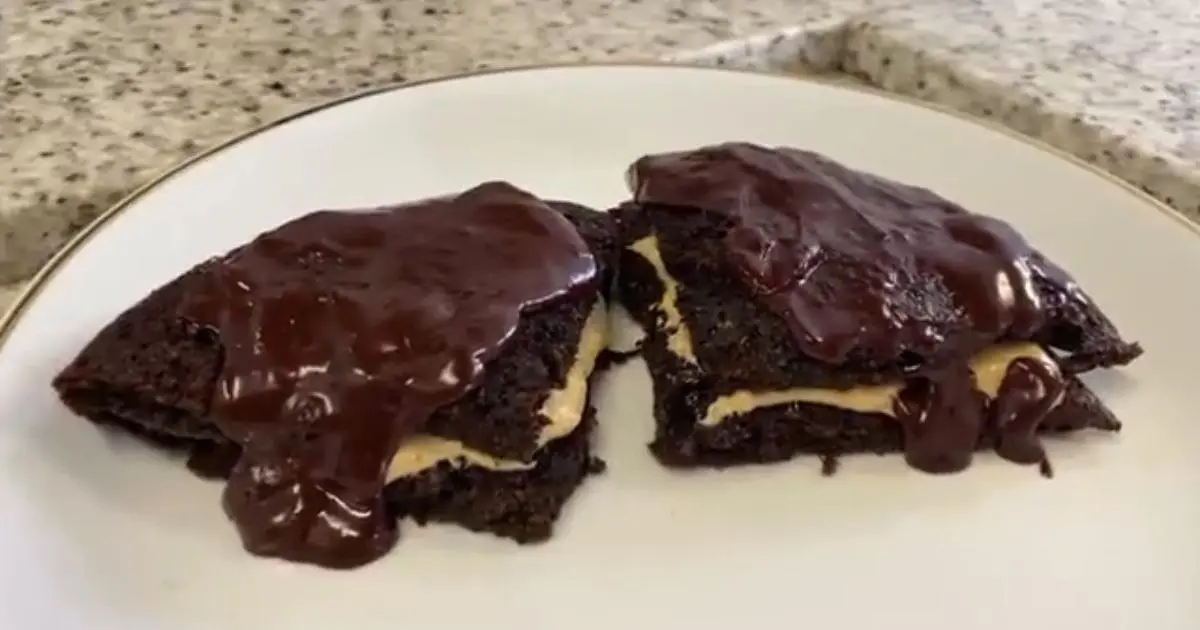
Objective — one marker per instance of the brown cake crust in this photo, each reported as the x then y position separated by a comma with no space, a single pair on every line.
151,373
146,371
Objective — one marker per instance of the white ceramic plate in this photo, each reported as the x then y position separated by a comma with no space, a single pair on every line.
101,533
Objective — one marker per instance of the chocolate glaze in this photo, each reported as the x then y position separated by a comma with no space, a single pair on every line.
343,331
868,271
858,266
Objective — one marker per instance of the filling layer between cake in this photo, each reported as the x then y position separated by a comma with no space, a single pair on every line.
563,410
989,367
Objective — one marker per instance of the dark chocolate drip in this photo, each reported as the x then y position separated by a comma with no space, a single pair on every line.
942,416
857,266
945,416
869,271
343,331
1029,392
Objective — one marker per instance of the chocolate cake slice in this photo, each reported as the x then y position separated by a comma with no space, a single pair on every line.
349,368
794,305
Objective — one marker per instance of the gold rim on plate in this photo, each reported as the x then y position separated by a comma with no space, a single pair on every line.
8,320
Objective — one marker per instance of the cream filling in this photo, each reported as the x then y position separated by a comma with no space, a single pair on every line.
563,410
989,366
679,338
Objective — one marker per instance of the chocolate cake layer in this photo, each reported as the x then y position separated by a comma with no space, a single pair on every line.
778,432
154,371
522,505
793,284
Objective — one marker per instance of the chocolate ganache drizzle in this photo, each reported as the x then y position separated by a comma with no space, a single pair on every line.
343,331
868,271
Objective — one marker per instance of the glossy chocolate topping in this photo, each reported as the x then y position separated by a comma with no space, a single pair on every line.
868,271
858,266
343,331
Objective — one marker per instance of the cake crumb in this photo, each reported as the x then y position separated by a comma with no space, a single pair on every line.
829,465
1046,469
596,466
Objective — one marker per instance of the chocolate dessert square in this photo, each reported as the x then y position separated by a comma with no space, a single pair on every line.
794,306
431,360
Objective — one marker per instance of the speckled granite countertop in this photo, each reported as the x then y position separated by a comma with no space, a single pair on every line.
97,95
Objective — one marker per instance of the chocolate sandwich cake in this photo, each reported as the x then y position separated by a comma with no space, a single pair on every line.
794,305
347,369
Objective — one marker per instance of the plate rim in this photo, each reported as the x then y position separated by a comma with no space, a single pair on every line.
45,274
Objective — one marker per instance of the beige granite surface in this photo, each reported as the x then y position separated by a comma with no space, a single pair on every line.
1115,82
97,95
100,94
